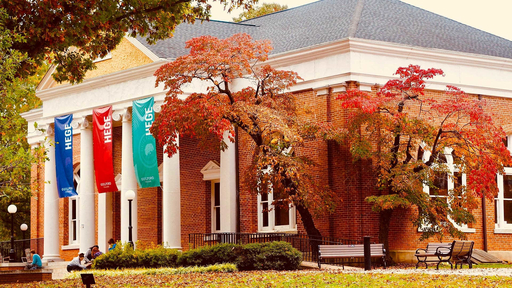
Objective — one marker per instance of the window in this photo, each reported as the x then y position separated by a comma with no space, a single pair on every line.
73,209
445,182
73,221
275,217
503,201
211,172
215,206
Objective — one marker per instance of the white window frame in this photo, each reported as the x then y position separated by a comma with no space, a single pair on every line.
451,185
292,210
214,208
76,200
292,221
501,226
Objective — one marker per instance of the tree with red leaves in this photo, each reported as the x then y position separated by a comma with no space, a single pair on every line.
273,118
418,142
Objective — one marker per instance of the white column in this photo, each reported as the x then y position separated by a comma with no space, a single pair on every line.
228,187
104,220
86,202
129,182
171,202
51,203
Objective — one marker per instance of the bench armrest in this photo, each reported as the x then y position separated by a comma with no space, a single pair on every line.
420,249
443,250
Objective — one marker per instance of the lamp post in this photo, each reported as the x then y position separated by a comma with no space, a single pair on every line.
23,228
12,209
130,195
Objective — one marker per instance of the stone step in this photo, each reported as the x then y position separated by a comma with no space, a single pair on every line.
59,269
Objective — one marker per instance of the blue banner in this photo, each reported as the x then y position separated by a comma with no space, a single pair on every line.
64,156
144,144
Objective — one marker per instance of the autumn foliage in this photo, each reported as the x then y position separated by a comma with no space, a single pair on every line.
241,92
16,157
415,139
71,34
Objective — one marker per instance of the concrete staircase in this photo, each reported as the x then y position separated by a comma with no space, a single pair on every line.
59,269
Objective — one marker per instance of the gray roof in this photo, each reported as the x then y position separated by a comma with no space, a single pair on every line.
330,20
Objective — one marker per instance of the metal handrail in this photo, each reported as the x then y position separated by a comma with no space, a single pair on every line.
302,242
20,246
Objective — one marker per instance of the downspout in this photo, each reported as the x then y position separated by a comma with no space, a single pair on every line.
484,212
330,168
237,180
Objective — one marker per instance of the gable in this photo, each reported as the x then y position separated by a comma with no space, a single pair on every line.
125,56
128,54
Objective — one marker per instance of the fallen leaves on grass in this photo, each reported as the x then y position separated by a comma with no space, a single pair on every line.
308,278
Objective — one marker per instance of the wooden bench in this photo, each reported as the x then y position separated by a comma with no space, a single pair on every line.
429,255
350,252
456,252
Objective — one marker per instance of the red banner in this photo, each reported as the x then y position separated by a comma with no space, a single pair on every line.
102,138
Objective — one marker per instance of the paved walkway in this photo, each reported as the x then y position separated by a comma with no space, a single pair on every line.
475,271
314,265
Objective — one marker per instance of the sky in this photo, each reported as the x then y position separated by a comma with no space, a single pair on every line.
492,16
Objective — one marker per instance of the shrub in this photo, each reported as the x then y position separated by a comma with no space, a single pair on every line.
123,256
268,256
256,256
209,255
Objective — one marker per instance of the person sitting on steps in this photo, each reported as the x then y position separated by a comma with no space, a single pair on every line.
36,261
76,263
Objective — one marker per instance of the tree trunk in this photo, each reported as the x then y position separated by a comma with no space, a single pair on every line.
384,220
313,233
307,220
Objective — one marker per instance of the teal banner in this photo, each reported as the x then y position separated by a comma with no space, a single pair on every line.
144,144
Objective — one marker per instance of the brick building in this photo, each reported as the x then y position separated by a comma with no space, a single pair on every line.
333,45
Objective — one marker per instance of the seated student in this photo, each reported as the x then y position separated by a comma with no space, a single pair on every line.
76,263
112,244
92,253
36,261
95,251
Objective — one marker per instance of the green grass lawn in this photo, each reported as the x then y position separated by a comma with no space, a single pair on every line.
200,277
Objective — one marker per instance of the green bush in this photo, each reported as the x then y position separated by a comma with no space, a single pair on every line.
268,256
123,256
256,256
209,255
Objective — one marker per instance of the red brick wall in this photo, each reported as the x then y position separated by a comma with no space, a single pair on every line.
248,199
37,201
195,192
147,213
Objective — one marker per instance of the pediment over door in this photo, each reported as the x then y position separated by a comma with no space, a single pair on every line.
211,171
